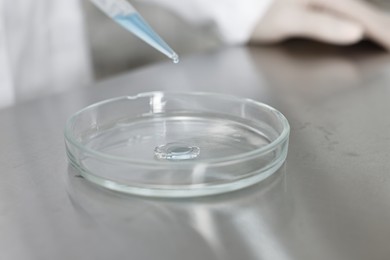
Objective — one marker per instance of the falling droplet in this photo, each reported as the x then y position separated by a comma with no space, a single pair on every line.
175,58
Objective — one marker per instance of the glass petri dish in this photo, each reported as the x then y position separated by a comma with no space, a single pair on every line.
177,144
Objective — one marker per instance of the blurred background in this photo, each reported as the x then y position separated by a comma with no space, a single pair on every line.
114,50
42,44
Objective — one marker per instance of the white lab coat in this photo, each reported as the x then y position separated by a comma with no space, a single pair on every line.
43,46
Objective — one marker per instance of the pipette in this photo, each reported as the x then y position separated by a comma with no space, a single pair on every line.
126,15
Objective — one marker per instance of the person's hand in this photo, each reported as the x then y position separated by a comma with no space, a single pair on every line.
332,21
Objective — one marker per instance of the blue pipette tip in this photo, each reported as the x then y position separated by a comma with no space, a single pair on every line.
125,14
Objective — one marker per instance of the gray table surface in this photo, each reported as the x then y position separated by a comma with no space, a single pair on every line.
331,200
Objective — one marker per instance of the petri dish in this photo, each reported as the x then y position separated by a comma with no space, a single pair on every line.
163,144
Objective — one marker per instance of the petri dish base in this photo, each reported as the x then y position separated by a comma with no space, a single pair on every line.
177,144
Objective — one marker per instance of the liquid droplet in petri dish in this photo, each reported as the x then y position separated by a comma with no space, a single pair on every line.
176,152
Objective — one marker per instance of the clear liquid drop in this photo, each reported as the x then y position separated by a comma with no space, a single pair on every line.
176,152
175,58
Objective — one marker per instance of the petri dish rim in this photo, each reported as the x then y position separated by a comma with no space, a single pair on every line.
243,156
